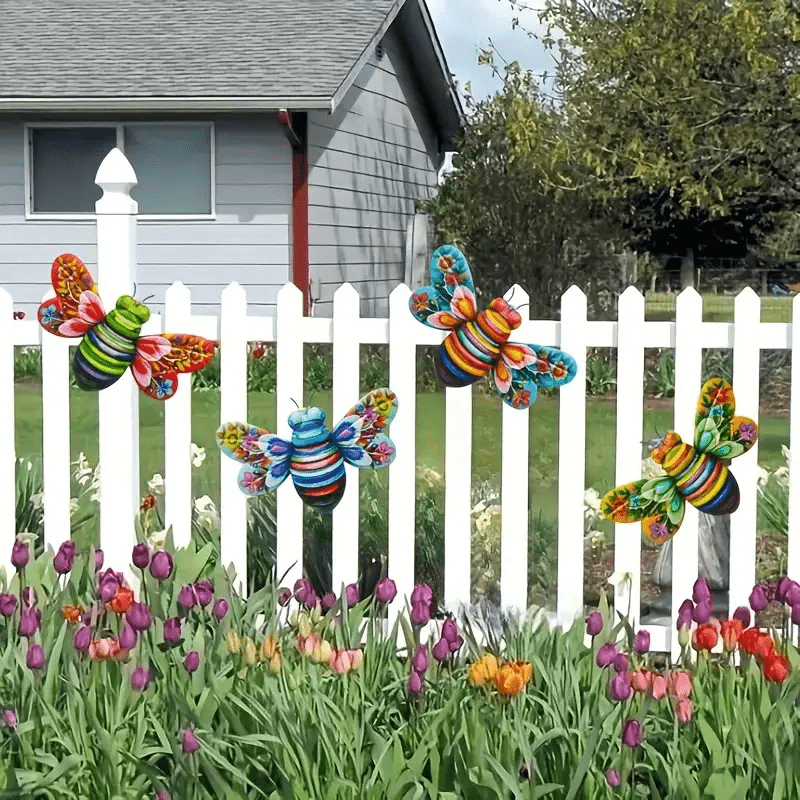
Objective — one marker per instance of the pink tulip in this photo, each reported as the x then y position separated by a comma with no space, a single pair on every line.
684,711
356,658
640,681
340,661
681,685
658,687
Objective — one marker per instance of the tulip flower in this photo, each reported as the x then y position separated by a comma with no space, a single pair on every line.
702,612
483,670
594,623
127,637
138,617
606,654
82,638
190,741
640,680
742,613
140,678
161,565
793,593
619,687
796,613
758,598
29,620
284,596
680,684
613,779
172,630
731,630
420,614
64,558
204,591
268,648
10,717
187,597
122,601
441,650
163,795
29,597
783,587
414,683
419,662
683,711
107,584
249,652
620,662
220,608
386,590
302,588
449,629
351,594
748,640
275,664
642,642
100,649
658,687
685,614
312,600
356,658
339,661
8,604
20,554
71,613
232,642
99,558
776,668
508,681
35,657
141,556
700,591
764,646
328,600
192,661
705,637
632,733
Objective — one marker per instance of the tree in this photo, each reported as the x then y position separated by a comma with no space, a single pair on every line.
683,117
504,207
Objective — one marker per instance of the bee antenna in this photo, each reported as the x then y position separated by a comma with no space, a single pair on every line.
148,298
513,289
294,401
517,308
134,288
657,431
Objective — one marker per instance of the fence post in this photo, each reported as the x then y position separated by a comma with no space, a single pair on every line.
8,460
118,404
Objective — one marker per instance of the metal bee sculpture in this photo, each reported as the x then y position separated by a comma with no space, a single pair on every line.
478,343
111,342
698,474
315,457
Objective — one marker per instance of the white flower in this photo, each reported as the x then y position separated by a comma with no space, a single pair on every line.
198,455
787,454
651,469
83,472
27,537
591,499
207,516
156,540
156,485
782,477
761,481
37,500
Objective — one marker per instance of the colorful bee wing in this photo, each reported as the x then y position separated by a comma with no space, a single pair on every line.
552,367
438,305
159,359
660,528
252,481
360,434
262,452
653,502
516,387
76,306
717,430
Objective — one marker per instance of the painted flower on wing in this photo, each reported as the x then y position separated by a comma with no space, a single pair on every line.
419,301
521,399
747,432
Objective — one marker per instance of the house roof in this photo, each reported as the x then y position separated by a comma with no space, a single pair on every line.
184,55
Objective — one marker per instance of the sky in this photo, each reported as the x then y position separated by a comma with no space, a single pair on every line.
465,25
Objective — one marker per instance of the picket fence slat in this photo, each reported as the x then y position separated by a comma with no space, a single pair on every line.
572,460
514,483
289,354
688,364
346,376
26,332
630,417
233,408
793,555
178,427
746,360
403,333
8,458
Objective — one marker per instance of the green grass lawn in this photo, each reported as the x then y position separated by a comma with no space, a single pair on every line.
717,307
543,453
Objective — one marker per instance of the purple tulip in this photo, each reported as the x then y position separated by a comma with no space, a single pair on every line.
685,613
83,638
187,597
758,598
190,741
10,717
35,658
594,623
702,612
606,654
312,599
284,596
619,688
141,556
140,678
422,593
642,642
328,599
163,795
29,621
220,608
352,595
108,584
419,663
386,590
302,588
620,662
796,613
456,644
172,630
29,597
449,630
420,614
783,587
414,683
192,661
8,604
793,593
632,733
20,554
64,558
441,650
204,591
128,636
743,613
161,565
138,617
700,591
613,779
99,558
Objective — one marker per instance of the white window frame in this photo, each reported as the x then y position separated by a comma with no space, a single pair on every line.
30,214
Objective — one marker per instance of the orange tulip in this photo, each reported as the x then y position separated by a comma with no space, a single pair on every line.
731,629
71,613
122,600
509,680
482,671
524,669
705,637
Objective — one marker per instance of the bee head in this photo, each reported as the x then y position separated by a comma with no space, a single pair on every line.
659,452
133,309
509,314
305,415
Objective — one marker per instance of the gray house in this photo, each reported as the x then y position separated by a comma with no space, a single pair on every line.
272,140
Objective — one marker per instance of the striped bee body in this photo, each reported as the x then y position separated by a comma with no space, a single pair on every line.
702,478
317,465
108,348
470,351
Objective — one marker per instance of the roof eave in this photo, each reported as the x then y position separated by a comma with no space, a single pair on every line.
173,104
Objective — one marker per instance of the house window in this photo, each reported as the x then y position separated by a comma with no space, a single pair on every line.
173,165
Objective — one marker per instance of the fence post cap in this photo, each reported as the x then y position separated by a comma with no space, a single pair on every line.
116,177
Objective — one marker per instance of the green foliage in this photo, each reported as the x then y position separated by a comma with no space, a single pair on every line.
600,371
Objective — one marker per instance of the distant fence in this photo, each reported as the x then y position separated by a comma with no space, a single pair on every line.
346,331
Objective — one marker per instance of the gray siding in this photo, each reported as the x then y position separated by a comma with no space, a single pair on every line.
248,241
369,163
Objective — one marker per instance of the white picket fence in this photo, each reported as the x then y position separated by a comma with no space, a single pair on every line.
346,331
